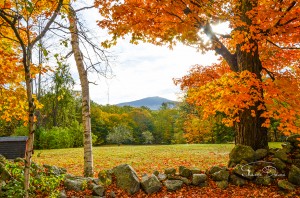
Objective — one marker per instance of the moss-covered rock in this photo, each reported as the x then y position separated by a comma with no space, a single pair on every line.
294,175
127,178
242,152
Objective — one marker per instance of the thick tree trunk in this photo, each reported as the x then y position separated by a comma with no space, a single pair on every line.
86,118
249,130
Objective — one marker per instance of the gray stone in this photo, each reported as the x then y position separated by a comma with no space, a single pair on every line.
185,172
242,152
161,177
62,194
186,181
195,171
156,173
75,184
272,151
5,175
55,170
281,154
236,180
263,180
173,185
287,147
170,171
105,177
222,184
246,171
151,184
215,169
112,194
293,138
127,178
285,185
98,190
294,175
260,154
280,165
297,162
221,175
198,178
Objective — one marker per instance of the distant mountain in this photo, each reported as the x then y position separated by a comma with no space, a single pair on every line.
153,103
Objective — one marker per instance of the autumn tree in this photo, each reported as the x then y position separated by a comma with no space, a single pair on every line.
19,18
260,55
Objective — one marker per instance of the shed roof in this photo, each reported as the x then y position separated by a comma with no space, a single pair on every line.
13,139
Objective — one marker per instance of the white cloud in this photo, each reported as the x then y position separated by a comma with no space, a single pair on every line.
143,70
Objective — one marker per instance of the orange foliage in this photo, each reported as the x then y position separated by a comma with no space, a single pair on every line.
266,32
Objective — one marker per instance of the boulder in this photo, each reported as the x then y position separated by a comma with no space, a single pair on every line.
173,185
222,184
242,152
127,178
186,181
62,194
55,170
245,171
281,154
161,177
215,169
260,154
221,175
105,177
150,184
75,184
156,173
297,162
98,190
293,139
280,165
287,147
170,171
263,180
285,185
198,179
236,180
195,171
185,172
294,175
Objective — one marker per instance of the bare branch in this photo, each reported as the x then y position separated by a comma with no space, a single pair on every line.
271,74
287,48
84,8
46,28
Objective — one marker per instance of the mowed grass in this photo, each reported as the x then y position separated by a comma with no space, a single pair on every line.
144,159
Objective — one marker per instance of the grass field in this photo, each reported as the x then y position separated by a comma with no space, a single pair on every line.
144,159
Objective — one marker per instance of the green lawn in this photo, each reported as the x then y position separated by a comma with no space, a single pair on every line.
144,159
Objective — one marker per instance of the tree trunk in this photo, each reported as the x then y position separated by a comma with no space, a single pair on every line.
249,130
86,119
31,110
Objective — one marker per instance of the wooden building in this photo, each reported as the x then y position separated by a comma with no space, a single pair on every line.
13,147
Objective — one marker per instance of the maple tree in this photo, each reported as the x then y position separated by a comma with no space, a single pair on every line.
258,77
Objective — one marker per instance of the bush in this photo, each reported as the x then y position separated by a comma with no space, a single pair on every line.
120,134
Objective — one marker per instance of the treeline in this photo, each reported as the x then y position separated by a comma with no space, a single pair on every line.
59,123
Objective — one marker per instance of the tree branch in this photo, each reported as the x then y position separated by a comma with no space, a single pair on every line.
84,8
271,74
46,28
287,48
220,48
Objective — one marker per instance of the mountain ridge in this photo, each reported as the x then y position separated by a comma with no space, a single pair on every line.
153,103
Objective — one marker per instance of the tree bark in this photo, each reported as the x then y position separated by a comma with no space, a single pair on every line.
249,130
86,118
